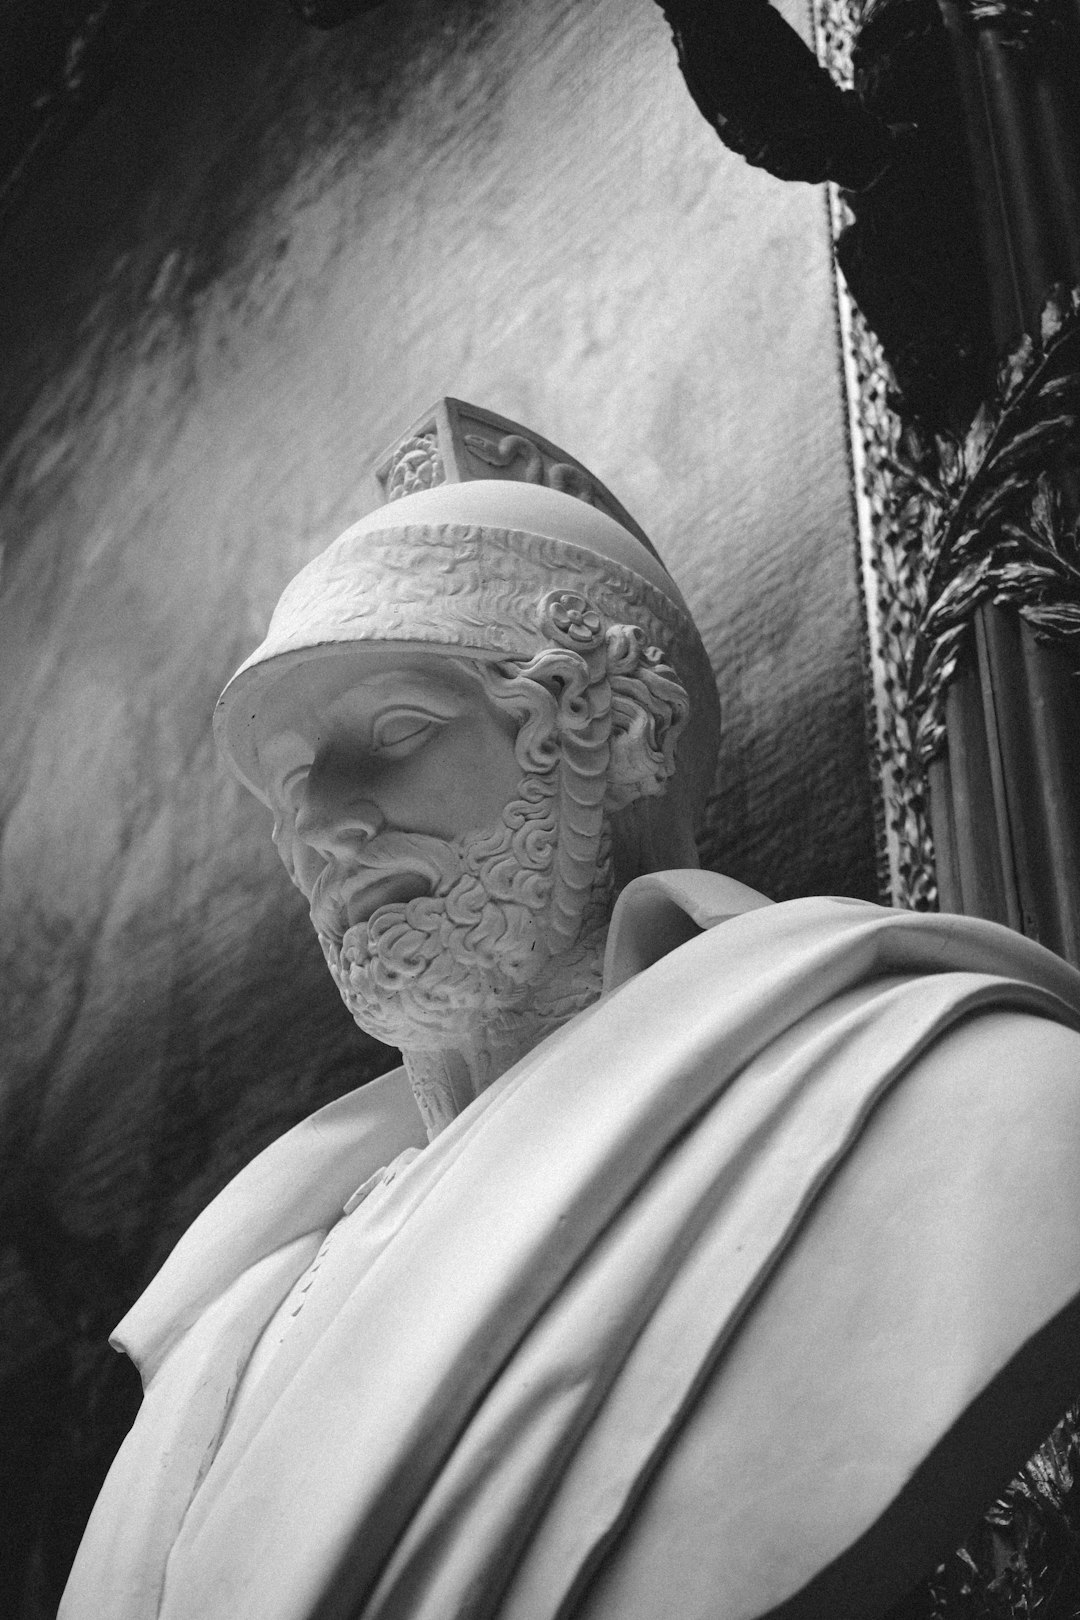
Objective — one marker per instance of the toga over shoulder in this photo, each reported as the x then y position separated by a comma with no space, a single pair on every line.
672,1319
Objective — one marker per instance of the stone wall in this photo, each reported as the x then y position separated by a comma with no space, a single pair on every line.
269,251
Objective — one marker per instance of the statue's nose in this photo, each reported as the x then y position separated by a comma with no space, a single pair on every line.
335,816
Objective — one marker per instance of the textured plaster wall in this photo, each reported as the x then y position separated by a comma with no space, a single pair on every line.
269,252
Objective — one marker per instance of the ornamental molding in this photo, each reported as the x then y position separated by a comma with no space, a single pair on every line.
890,573
473,585
454,442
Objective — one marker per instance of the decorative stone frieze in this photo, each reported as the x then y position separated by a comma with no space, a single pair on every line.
455,442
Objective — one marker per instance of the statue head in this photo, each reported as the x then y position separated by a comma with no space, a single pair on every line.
475,716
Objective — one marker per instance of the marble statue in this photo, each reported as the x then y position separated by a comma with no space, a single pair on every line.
706,1257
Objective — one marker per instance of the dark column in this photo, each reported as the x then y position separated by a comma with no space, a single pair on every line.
1005,796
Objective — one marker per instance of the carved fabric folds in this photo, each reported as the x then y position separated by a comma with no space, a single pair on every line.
529,1312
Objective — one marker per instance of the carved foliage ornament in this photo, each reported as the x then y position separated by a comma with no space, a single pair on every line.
985,517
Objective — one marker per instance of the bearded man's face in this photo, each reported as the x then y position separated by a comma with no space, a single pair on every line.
426,854
419,970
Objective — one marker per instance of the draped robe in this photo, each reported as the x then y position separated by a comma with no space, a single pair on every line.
666,1322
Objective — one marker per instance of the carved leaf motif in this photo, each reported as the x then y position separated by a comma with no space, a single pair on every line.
1012,372
1040,569
987,520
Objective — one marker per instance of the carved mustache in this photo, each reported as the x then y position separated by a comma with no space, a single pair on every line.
392,868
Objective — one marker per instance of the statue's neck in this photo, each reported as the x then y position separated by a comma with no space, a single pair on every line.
447,1078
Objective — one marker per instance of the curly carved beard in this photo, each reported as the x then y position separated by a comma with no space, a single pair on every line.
419,971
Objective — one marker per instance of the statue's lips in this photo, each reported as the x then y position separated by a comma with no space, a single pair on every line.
387,889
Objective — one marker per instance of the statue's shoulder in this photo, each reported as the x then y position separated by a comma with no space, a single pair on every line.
296,1186
661,910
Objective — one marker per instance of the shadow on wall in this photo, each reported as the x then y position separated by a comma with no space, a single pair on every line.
268,250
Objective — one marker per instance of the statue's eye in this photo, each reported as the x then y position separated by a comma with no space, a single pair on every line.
400,733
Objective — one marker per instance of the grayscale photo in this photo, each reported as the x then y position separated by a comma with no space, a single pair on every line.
540,810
